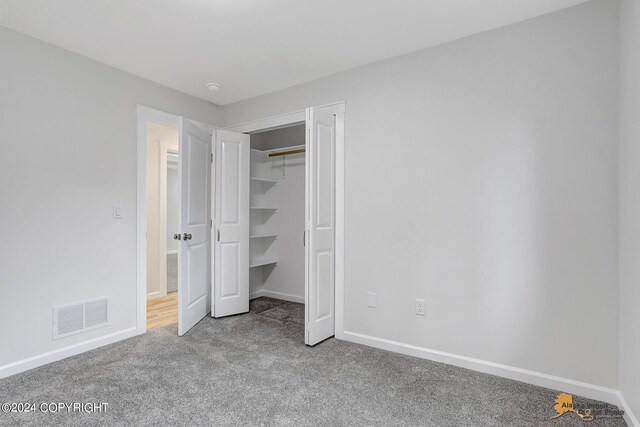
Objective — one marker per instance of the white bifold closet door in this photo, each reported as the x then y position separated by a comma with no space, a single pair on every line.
320,228
231,250
194,283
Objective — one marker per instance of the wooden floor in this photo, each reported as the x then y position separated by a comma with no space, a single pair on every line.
162,311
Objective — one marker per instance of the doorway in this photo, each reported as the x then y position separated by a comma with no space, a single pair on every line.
163,202
173,221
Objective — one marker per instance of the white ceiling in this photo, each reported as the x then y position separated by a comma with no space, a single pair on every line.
254,47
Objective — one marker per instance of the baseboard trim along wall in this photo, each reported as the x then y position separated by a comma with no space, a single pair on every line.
155,294
629,416
566,385
63,353
277,295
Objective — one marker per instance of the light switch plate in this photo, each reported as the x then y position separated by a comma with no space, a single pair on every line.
117,212
372,299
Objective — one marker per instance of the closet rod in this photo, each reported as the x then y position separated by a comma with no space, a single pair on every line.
284,153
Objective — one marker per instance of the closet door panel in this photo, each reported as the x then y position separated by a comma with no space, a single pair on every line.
231,258
193,250
320,228
324,176
231,168
229,254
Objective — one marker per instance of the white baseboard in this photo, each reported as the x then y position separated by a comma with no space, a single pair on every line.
63,353
590,391
156,294
277,295
629,417
172,252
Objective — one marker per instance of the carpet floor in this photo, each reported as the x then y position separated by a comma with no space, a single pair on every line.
254,370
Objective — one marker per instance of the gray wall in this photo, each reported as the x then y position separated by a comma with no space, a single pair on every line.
630,203
482,175
288,276
279,138
68,130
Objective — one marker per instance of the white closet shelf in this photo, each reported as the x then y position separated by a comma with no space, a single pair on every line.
263,261
260,236
266,180
275,150
264,208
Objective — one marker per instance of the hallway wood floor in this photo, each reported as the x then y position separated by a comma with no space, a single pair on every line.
162,311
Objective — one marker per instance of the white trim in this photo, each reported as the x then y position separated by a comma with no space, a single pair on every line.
277,295
339,111
173,252
212,221
629,417
281,120
269,123
63,353
205,126
579,388
154,295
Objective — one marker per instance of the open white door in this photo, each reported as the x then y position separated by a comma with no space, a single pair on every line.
320,226
231,252
194,283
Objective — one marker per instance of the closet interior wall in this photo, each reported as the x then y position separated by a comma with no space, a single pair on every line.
277,216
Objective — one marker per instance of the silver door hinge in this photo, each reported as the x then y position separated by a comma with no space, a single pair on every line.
211,157
211,223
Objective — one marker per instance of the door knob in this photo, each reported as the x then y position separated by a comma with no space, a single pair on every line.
187,236
177,237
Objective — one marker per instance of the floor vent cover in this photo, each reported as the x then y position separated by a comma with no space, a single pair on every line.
80,317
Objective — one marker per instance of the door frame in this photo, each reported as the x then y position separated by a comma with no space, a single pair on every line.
145,115
299,117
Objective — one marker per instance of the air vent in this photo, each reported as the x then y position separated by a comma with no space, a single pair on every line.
80,317
95,313
69,319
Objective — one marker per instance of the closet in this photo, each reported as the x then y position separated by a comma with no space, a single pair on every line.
277,214
274,227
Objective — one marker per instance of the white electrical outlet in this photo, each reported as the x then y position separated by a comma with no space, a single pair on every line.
421,307
372,299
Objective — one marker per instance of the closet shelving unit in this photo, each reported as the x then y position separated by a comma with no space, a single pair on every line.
259,262
264,180
265,175
263,235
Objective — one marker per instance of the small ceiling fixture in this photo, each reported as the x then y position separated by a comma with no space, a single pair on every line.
214,86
